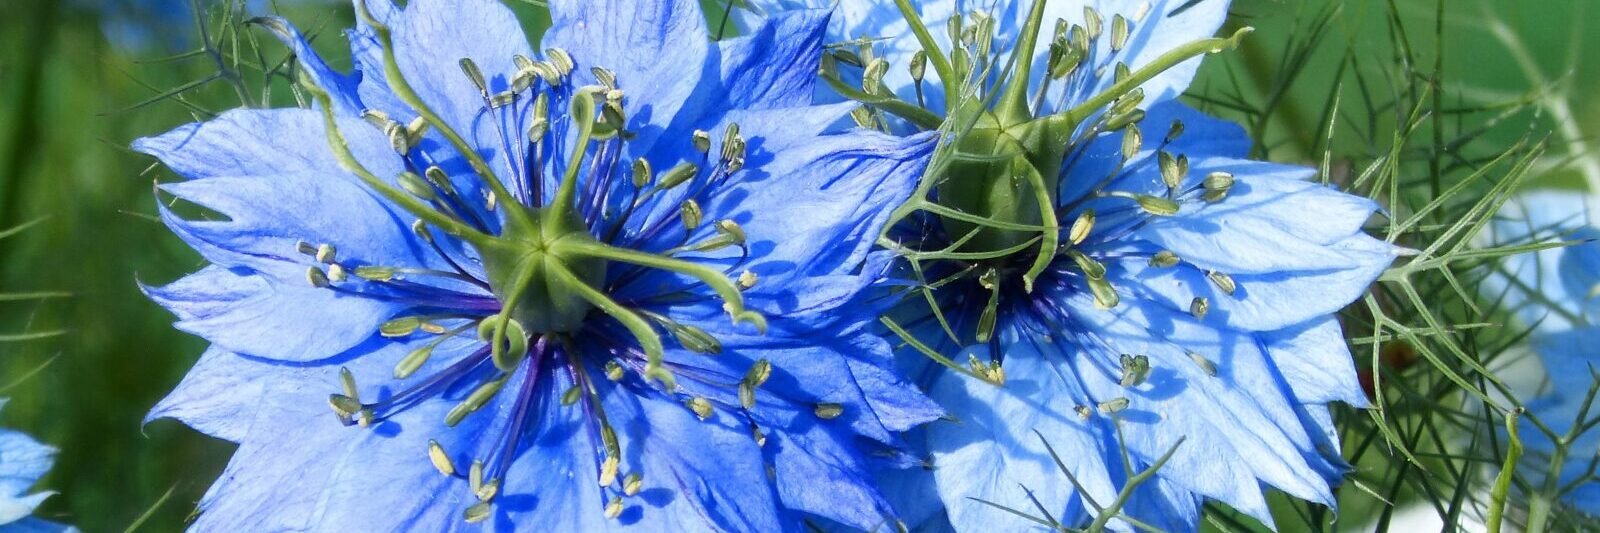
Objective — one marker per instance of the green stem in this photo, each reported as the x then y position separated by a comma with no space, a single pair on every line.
649,341
941,63
341,151
1052,232
1161,64
1508,470
561,207
718,282
408,95
1014,103
510,302
922,118
930,353
1105,516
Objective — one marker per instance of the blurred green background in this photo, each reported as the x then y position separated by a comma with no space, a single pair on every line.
80,80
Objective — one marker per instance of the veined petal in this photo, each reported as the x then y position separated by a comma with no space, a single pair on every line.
245,313
299,468
1272,221
775,66
265,143
1315,362
342,89
1262,302
269,216
658,49
219,396
996,447
817,210
1239,428
431,38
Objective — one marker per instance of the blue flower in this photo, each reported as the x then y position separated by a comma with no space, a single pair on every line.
22,462
1553,292
516,271
1105,270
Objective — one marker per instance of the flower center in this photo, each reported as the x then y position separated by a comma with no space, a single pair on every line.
561,270
524,269
995,196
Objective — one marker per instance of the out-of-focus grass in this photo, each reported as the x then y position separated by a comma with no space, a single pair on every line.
64,126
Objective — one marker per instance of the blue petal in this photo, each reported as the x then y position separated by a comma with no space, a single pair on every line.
1569,363
298,468
1098,164
996,446
26,460
816,211
266,143
245,313
367,54
1261,302
342,90
818,472
431,38
1315,362
697,475
1240,428
1271,221
1162,28
658,50
1533,284
776,65
220,396
809,366
269,216
811,207
35,525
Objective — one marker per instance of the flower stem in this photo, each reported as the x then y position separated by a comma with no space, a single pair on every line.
941,63
649,340
718,282
341,151
408,95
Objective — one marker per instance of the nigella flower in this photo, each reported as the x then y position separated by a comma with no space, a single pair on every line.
22,462
1553,291
1101,270
511,275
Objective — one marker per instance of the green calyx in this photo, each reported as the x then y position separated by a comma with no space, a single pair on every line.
1007,174
521,265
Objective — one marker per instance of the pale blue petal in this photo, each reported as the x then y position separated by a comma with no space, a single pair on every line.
658,49
1532,284
996,445
1315,362
342,89
1240,431
1261,302
267,143
1271,221
219,396
248,314
431,38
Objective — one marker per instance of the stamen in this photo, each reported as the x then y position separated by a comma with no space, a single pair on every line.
1081,227
440,459
1135,369
1222,281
